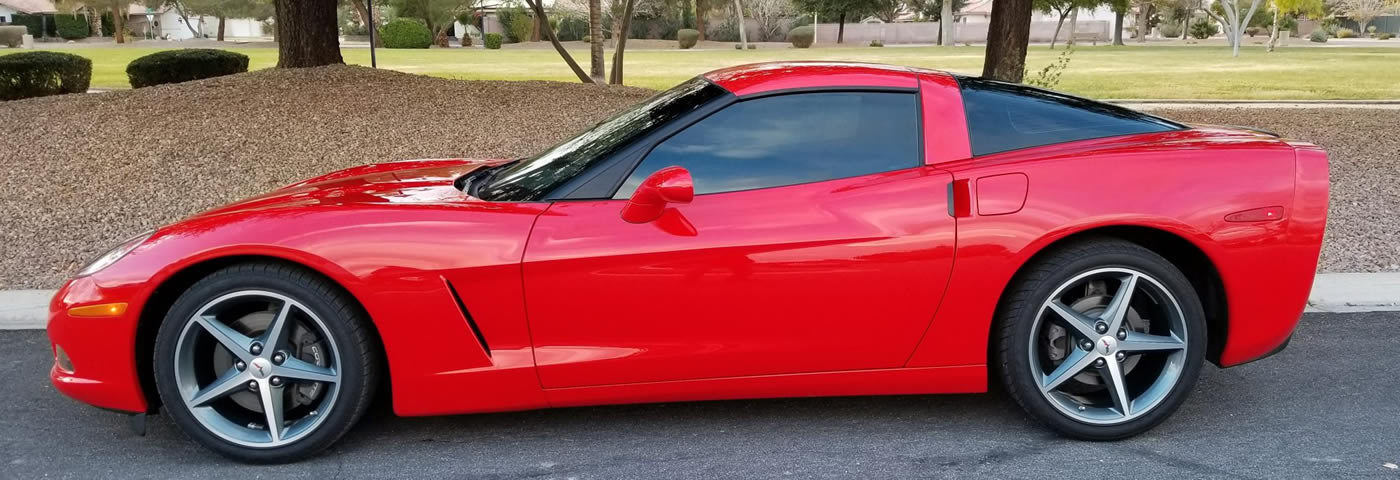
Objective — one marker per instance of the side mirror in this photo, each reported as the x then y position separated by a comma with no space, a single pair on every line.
668,185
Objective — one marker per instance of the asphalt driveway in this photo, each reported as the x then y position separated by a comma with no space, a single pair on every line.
1327,407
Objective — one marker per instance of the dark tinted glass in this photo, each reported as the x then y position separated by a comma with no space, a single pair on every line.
791,139
534,178
1003,116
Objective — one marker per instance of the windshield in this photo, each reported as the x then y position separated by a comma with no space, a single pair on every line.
533,178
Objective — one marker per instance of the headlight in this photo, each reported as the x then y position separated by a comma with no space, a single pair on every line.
107,259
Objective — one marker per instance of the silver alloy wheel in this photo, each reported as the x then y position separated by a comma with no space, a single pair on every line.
264,365
1099,342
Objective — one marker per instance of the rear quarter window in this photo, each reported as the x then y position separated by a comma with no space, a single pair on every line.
1003,117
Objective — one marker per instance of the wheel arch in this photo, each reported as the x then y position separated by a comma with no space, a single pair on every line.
164,295
1185,255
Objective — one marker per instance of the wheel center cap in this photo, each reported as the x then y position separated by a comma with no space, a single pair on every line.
1106,345
260,368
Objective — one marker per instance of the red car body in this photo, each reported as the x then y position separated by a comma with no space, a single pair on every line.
879,284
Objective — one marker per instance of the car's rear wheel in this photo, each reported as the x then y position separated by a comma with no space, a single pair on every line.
1100,340
265,363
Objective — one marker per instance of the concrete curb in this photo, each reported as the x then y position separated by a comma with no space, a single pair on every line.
1332,292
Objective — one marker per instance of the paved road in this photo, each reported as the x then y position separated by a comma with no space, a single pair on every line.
1328,407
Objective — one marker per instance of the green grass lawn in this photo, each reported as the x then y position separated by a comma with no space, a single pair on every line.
1194,72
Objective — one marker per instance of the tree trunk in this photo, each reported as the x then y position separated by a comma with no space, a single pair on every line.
363,11
119,11
1073,26
1118,28
595,34
94,22
739,12
307,33
622,42
841,28
1273,31
700,7
1058,26
180,9
221,29
1144,13
554,40
945,24
1008,35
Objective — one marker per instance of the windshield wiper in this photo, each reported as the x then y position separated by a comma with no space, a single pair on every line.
472,183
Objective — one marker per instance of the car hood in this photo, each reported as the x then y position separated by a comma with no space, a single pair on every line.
411,182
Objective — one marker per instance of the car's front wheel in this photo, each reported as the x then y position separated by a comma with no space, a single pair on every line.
1100,340
265,363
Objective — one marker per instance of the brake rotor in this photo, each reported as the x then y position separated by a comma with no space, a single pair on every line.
304,345
1094,302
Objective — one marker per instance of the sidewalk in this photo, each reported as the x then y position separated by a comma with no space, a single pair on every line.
1332,292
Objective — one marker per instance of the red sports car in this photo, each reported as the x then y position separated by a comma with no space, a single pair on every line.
771,230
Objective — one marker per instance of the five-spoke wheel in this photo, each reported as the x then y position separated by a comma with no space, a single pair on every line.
1101,340
264,363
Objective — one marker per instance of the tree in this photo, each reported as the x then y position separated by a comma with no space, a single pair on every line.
1363,11
119,11
941,12
1008,35
307,33
888,11
225,9
770,15
1120,9
1234,21
595,34
702,8
739,14
1312,8
839,9
626,27
436,14
1142,24
1062,9
554,40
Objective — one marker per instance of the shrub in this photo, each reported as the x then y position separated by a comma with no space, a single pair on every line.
1346,33
1385,36
1169,29
71,27
38,74
406,33
588,39
877,43
1204,29
12,35
571,27
517,22
175,66
687,37
1252,31
753,46
1371,30
1318,36
35,24
493,41
801,37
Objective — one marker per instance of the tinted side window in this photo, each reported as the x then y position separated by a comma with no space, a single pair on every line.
791,139
1003,116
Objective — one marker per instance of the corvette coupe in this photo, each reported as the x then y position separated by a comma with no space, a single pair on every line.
769,230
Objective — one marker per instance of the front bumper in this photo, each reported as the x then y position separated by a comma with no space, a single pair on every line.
100,350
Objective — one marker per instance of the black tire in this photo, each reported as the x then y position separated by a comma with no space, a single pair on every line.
1038,281
345,321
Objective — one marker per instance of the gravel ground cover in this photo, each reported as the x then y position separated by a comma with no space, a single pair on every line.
83,172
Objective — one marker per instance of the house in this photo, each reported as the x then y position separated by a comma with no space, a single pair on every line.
8,8
166,22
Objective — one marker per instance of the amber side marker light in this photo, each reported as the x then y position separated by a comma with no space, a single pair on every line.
103,310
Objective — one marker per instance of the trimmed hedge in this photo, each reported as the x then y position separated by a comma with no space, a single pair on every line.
175,66
12,35
71,27
802,37
687,37
493,41
405,33
39,74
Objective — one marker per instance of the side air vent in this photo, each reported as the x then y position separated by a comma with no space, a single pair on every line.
468,316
